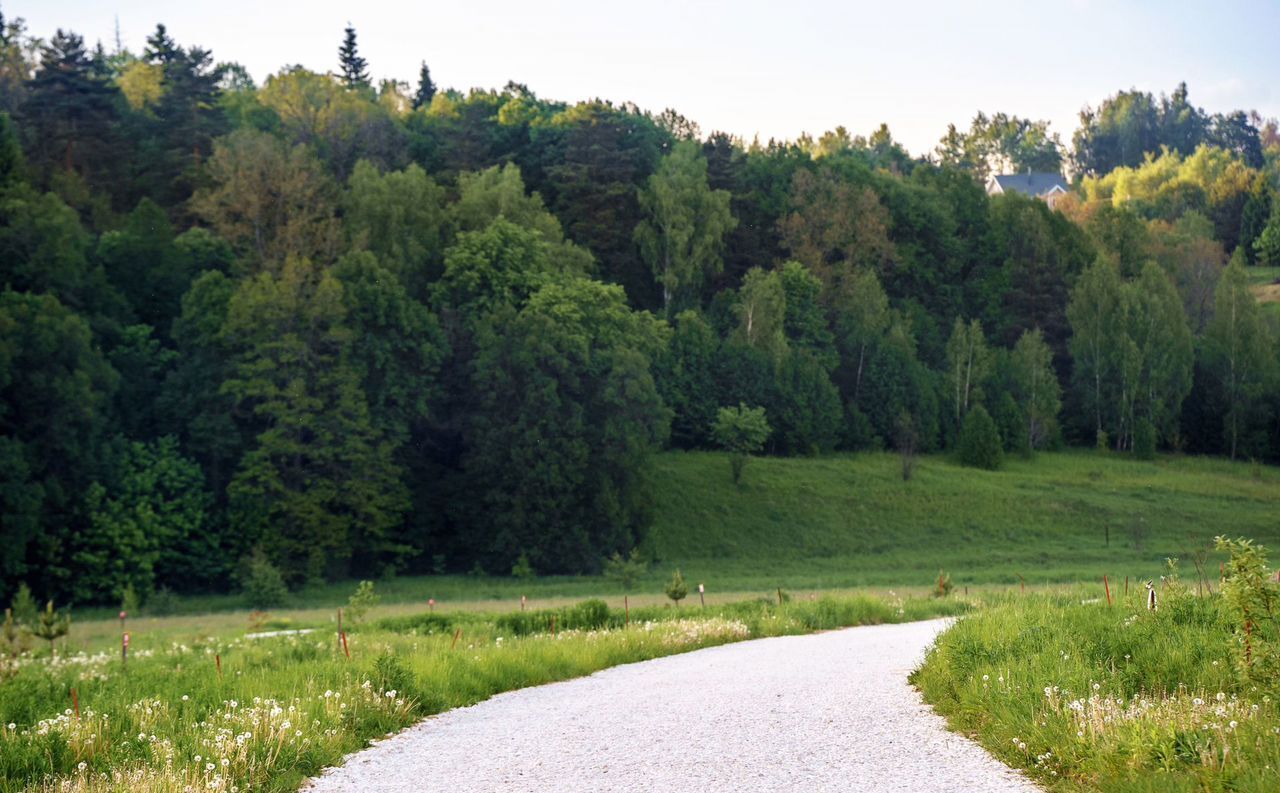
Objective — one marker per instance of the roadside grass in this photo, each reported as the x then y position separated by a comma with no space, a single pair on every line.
1089,697
282,708
847,521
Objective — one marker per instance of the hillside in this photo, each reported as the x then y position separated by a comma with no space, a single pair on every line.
851,520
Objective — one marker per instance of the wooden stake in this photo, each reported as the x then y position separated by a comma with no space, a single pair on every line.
701,596
1024,583
553,626
75,702
431,604
626,605
339,628
779,597
346,650
456,635
1106,586
1126,586
522,601
124,649
217,661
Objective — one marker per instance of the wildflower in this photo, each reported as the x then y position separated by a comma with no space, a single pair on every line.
83,765
1097,687
185,697
1197,702
1232,725
1221,696
13,726
985,678
225,762
209,766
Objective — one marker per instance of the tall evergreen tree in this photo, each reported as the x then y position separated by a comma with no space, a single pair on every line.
354,70
426,88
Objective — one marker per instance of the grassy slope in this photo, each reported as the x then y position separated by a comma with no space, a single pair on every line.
851,520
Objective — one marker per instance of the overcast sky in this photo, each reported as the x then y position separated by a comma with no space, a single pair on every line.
773,69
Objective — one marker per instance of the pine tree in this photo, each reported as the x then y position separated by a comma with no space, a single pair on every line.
355,72
426,89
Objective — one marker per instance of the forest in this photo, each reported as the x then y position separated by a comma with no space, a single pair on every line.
342,329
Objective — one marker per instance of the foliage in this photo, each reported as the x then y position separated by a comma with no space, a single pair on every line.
261,581
51,625
626,571
979,444
676,589
24,606
741,431
1253,598
363,599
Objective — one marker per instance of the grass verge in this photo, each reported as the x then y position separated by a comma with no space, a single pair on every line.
1084,696
233,713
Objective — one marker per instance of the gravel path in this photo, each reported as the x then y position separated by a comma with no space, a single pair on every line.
825,712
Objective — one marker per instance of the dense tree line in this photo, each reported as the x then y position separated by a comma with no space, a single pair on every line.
359,329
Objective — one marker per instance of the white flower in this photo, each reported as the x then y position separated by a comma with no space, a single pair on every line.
209,766
83,765
985,678
13,726
1097,687
185,697
1221,696
1232,725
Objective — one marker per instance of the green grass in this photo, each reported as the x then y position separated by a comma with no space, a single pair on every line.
1090,697
286,707
849,522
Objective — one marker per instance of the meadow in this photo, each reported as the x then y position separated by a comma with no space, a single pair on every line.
849,522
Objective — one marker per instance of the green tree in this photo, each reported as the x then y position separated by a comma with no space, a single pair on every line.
686,377
1237,351
676,588
400,217
1096,323
147,527
319,488
565,417
1036,389
268,200
685,223
741,431
351,67
426,90
979,444
761,309
968,364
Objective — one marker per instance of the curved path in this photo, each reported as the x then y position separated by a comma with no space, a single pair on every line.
825,712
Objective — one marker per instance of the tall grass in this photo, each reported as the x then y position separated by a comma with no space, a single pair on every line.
285,707
1090,697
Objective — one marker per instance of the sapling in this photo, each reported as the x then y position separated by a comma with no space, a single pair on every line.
676,589
52,625
363,599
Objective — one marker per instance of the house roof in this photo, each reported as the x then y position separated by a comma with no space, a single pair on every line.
1034,184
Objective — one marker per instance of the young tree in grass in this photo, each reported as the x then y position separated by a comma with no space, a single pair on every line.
742,431
979,445
52,625
676,589
907,438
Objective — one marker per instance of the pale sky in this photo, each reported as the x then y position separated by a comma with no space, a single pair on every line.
750,67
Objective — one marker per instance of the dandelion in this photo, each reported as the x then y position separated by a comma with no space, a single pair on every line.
1221,696
1097,687
13,726
209,766
985,678
83,765
185,697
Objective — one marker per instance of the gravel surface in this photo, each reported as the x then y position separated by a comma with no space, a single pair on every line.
825,712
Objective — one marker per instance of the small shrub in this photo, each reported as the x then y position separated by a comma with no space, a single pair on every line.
676,588
25,610
1253,598
52,625
1144,440
625,571
261,582
979,445
424,623
522,570
130,603
1102,442
943,586
163,602
390,674
363,599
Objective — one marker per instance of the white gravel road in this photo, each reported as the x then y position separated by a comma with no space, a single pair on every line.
826,712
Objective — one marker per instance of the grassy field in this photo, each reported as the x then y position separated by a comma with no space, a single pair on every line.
1086,696
230,712
850,522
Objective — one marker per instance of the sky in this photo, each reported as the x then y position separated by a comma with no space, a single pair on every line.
750,68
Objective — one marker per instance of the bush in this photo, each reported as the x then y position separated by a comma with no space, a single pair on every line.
589,615
1144,440
676,589
390,674
625,571
162,603
25,610
522,570
425,623
741,431
363,599
979,445
261,582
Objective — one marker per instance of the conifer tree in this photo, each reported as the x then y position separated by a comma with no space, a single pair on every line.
355,72
426,89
